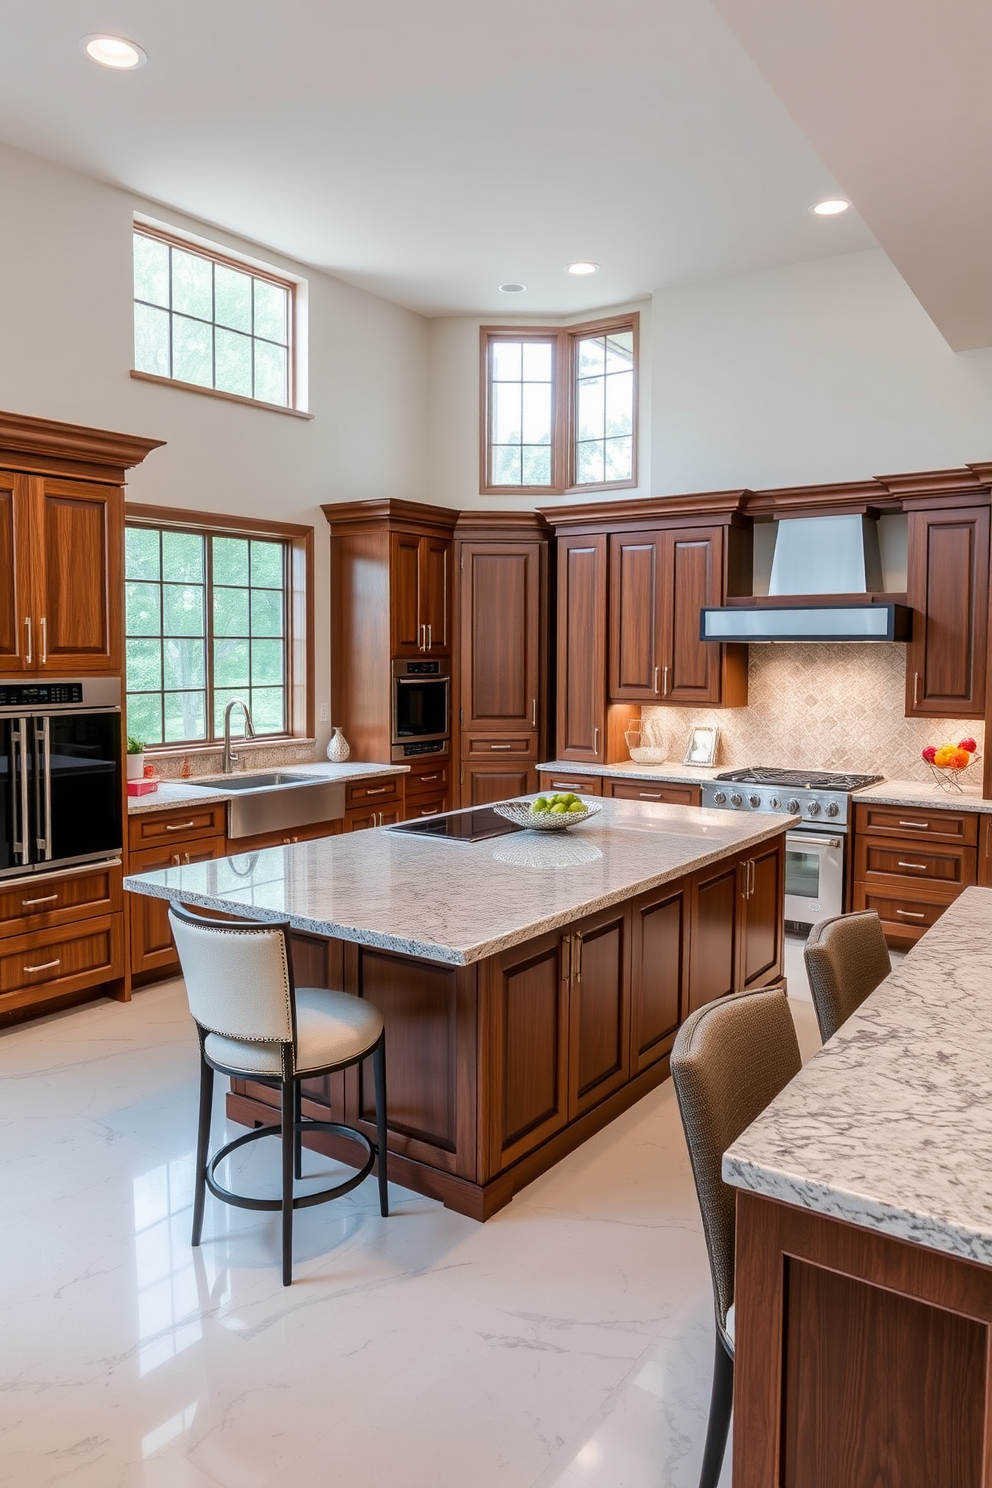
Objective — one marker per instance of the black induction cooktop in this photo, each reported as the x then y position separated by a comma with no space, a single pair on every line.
460,826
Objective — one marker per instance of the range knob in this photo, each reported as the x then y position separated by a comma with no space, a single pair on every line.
832,808
774,803
736,800
792,807
755,801
720,799
813,808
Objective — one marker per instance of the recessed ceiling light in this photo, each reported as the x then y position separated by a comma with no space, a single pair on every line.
829,208
512,288
113,51
584,266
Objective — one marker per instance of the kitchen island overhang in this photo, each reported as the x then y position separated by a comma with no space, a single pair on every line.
531,986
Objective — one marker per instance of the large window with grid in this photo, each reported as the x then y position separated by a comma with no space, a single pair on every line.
202,319
207,618
559,408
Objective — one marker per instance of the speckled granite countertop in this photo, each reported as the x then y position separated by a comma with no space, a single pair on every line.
459,902
924,793
206,788
630,770
889,1126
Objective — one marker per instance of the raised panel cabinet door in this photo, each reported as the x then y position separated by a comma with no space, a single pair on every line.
635,641
483,784
985,852
716,901
659,973
16,618
692,575
599,1009
77,575
501,634
152,947
948,591
435,592
763,930
407,636
582,648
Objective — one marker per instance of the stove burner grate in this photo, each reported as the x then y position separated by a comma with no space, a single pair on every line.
799,779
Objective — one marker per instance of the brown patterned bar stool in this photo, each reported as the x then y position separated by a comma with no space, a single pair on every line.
730,1060
254,1024
846,958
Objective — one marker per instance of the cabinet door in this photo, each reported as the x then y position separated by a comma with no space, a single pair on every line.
148,919
582,648
78,544
635,642
501,634
599,1009
435,592
985,852
948,590
692,577
407,637
16,619
483,784
763,919
717,898
659,973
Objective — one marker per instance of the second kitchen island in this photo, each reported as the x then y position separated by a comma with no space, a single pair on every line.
531,984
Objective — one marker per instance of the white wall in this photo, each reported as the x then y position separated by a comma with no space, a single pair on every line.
66,350
823,371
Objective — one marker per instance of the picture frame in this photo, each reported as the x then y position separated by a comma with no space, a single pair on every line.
700,748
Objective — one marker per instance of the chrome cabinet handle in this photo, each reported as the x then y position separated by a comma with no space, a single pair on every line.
917,826
179,826
380,790
595,741
650,795
577,960
916,689
47,899
501,746
753,871
533,712
430,637
29,659
432,812
657,675
429,777
45,965
566,785
566,960
910,914
44,640
921,866
664,688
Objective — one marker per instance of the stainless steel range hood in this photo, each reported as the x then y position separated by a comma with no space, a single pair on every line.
819,557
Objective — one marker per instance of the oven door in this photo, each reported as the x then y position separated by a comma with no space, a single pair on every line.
420,708
814,877
76,786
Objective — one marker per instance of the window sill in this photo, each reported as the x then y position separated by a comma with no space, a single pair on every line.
194,387
213,746
553,491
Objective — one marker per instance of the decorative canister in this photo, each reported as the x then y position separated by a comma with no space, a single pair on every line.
338,748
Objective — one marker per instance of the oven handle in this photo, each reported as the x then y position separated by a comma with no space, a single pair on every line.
43,785
19,783
418,681
811,841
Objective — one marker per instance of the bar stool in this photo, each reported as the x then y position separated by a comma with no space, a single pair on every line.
730,1060
254,1024
846,958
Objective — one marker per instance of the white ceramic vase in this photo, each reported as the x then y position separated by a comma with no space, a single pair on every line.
338,748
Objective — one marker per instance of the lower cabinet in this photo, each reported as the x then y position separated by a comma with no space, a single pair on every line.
60,936
484,783
664,793
152,949
737,934
659,972
428,789
364,820
984,868
585,785
909,865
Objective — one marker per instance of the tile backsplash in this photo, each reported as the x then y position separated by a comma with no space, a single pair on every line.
255,755
826,707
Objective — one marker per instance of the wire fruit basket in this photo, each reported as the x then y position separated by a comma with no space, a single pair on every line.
520,814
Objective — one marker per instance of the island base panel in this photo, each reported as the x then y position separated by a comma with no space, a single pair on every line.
860,1359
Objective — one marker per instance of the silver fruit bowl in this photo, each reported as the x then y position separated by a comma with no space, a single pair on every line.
521,815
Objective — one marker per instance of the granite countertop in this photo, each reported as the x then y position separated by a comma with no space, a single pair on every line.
630,770
206,788
889,1126
459,902
924,793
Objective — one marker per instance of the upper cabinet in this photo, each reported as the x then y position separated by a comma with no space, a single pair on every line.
582,700
948,591
420,594
61,546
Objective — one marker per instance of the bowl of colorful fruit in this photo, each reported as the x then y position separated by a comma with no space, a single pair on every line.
547,813
948,762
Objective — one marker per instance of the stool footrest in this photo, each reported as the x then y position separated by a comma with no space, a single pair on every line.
302,1201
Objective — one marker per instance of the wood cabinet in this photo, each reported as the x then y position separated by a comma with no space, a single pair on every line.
948,590
737,933
61,937
420,594
482,784
665,793
659,972
984,873
373,801
581,699
427,788
582,785
150,938
909,865
598,971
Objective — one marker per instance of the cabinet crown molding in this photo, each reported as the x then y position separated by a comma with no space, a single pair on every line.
703,506
387,514
28,443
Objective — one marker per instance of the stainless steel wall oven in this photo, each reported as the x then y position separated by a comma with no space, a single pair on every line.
421,708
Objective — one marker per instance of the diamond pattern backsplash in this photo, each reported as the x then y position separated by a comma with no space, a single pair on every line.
825,707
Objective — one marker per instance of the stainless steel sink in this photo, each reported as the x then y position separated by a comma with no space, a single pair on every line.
279,802
262,782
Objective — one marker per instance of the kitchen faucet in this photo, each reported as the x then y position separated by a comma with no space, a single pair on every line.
230,758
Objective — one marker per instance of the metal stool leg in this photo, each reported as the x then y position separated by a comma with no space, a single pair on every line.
718,1425
288,1155
202,1146
379,1073
297,1119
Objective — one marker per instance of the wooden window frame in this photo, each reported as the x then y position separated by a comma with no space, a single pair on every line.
242,266
299,609
564,339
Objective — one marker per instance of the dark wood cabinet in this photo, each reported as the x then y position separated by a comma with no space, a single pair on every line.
948,590
763,928
665,793
598,970
420,588
151,946
910,864
481,784
582,648
659,972
737,934
984,868
584,785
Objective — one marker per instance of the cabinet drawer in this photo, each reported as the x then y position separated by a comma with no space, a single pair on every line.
376,791
425,806
49,963
40,901
899,865
366,819
586,785
429,780
175,854
643,790
907,821
182,825
282,838
492,746
904,915
151,936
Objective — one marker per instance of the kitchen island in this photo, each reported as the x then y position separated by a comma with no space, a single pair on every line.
531,984
864,1239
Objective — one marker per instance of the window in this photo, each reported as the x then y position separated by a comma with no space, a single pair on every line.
212,615
559,407
204,320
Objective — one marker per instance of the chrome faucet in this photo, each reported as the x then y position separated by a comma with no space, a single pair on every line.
230,758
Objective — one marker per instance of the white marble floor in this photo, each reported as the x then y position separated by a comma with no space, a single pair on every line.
564,1344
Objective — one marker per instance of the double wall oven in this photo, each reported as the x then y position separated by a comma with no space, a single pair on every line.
61,794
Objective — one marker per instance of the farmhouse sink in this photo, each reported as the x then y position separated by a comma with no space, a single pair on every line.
263,782
278,802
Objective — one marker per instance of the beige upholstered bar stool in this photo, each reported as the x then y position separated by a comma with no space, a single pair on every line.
846,958
729,1061
254,1024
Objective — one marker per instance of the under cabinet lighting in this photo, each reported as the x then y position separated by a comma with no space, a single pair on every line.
583,266
829,208
114,51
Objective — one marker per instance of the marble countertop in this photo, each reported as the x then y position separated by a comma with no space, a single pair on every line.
889,1126
631,770
925,793
205,788
460,902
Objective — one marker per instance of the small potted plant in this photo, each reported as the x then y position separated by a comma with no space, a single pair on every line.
135,757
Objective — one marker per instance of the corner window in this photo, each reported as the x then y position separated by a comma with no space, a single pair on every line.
205,321
559,408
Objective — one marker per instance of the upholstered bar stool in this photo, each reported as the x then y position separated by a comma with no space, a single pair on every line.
730,1060
846,958
254,1024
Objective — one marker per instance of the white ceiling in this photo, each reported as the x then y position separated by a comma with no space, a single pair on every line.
432,149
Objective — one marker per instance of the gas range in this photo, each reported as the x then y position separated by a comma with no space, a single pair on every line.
818,796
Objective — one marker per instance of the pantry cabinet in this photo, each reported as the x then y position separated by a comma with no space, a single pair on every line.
948,591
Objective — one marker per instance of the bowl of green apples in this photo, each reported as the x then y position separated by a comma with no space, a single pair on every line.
548,813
